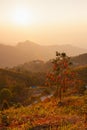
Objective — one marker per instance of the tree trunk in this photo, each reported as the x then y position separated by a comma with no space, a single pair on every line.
60,96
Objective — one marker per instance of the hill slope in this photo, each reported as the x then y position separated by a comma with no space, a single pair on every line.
47,115
80,60
41,66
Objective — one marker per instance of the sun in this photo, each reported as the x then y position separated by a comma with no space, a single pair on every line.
22,16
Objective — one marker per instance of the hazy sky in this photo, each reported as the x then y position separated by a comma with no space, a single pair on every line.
44,21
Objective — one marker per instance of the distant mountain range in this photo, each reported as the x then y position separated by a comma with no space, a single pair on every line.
27,51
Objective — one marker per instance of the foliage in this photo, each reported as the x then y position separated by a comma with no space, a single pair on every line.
19,84
5,119
5,105
5,94
47,115
62,75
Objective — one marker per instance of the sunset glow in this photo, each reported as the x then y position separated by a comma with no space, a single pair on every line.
44,21
22,17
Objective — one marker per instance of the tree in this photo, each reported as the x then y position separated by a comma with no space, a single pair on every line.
62,76
5,95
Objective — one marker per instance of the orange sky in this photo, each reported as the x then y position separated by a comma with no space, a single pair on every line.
44,21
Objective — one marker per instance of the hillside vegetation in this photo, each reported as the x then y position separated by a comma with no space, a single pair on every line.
47,115
56,100
20,82
19,85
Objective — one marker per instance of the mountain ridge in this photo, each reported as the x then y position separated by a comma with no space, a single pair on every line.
27,51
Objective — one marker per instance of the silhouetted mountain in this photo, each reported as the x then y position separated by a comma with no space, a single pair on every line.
27,51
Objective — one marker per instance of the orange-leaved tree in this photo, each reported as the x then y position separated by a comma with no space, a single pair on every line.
62,75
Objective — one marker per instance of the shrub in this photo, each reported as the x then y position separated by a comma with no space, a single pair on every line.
5,94
5,105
